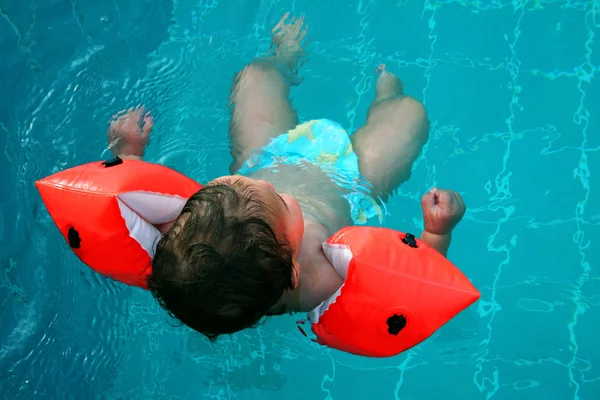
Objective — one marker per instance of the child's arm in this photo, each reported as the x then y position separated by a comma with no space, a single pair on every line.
128,133
439,242
442,210
128,136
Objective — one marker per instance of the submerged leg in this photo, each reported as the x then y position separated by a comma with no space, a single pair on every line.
261,107
393,136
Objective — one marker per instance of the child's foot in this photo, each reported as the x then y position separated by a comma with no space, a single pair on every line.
388,85
287,40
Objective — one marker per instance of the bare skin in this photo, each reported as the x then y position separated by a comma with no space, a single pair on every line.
129,133
387,146
253,124
396,130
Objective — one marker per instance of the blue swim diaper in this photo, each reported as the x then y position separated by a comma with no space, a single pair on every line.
326,144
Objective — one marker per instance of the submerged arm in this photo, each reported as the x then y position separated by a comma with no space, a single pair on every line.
128,134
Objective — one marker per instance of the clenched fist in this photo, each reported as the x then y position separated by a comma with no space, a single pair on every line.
442,210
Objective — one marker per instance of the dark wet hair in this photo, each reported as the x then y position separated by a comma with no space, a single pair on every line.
222,266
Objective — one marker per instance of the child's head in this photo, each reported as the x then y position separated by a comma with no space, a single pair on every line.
229,257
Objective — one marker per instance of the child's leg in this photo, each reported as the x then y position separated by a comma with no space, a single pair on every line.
260,93
391,140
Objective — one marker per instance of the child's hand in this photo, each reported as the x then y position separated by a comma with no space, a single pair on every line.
128,133
442,210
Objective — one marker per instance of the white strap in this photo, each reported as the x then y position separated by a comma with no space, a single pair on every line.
156,208
339,255
139,229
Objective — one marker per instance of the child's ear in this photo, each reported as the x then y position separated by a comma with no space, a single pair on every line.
296,274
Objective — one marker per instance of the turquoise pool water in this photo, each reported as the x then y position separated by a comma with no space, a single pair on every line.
513,94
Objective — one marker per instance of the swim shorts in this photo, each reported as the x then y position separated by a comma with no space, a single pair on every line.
326,144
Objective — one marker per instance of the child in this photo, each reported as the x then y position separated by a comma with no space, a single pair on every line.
249,245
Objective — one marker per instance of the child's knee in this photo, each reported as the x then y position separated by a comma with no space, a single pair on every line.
400,106
263,71
405,116
412,106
